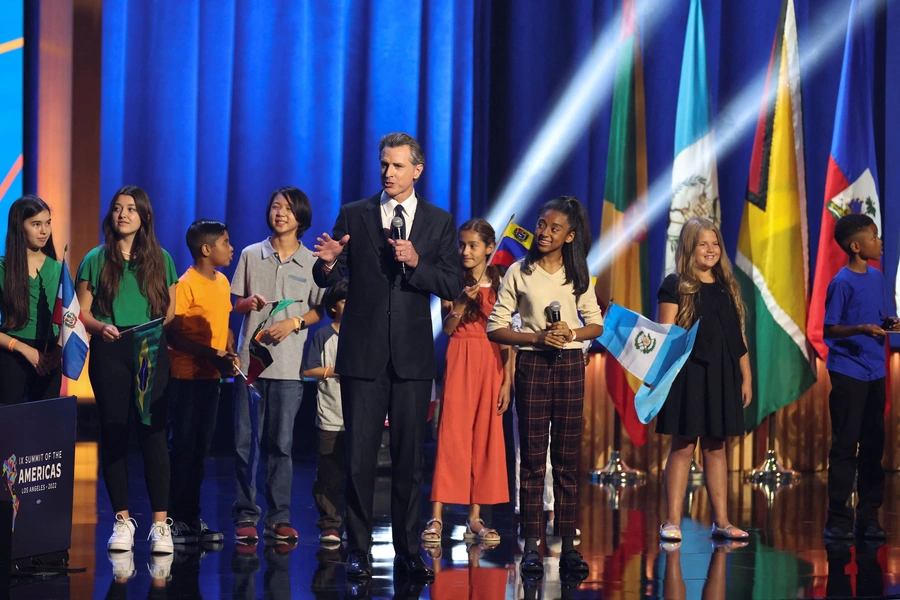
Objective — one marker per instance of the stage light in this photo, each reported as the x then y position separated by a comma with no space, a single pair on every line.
734,122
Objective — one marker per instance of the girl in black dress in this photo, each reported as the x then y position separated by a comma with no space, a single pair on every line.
708,397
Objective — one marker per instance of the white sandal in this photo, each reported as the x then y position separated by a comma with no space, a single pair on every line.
430,531
485,534
669,532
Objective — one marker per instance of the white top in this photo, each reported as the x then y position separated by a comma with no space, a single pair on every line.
409,206
532,294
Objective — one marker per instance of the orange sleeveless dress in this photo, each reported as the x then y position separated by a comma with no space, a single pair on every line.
471,457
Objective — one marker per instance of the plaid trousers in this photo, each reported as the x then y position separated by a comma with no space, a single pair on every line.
549,400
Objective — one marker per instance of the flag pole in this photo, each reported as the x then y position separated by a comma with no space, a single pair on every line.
494,253
770,472
59,335
616,472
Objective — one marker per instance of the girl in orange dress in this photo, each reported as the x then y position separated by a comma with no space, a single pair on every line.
471,456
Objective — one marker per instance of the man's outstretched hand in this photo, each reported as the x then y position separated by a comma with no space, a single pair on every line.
329,249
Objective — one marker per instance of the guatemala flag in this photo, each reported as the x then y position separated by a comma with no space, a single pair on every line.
695,181
651,352
73,337
851,183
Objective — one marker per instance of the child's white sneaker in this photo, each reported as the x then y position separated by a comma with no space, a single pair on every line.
161,538
122,538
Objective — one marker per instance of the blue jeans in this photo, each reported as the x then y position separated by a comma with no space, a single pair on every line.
193,405
278,404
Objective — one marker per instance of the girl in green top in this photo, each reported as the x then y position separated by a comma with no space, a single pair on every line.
29,280
128,281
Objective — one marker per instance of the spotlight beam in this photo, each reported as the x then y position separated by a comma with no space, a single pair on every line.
588,90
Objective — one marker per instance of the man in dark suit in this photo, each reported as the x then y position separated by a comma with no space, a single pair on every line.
385,353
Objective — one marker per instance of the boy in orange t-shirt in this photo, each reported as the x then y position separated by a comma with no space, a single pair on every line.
201,351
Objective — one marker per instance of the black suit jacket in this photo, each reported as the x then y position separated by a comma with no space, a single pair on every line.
387,315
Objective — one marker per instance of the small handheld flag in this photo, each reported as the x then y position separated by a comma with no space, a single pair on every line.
260,360
651,352
514,245
146,348
72,335
279,306
260,357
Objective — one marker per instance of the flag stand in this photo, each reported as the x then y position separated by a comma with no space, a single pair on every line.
771,472
616,472
695,475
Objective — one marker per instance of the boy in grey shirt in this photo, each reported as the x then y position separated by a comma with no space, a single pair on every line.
277,268
319,365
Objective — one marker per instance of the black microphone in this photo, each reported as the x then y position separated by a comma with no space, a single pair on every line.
397,234
555,307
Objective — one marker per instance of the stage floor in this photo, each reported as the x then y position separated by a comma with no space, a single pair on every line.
786,556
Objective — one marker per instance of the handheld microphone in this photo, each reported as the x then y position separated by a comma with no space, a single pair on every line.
555,308
397,234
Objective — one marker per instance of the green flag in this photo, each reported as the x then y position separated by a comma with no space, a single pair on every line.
280,306
277,308
146,349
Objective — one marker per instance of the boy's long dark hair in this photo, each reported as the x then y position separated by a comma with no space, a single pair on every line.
494,272
146,259
298,203
574,253
16,285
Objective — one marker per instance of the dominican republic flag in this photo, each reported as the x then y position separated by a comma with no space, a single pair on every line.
695,181
514,245
851,184
651,352
73,337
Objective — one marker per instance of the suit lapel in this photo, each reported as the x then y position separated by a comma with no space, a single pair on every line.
422,223
371,217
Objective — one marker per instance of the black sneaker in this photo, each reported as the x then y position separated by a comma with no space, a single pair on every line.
872,531
205,534
837,532
182,533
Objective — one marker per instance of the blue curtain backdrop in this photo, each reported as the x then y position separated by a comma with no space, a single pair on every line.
211,105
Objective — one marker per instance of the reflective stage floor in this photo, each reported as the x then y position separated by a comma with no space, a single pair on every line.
785,558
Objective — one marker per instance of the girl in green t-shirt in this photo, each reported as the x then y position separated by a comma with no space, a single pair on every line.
29,280
127,281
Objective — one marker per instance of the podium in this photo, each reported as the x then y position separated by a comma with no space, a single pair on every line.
37,450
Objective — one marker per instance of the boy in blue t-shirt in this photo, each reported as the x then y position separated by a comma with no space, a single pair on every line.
855,323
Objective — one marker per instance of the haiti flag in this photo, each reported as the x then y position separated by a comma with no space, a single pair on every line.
851,183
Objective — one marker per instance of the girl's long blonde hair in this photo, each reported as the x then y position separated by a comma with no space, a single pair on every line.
689,284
